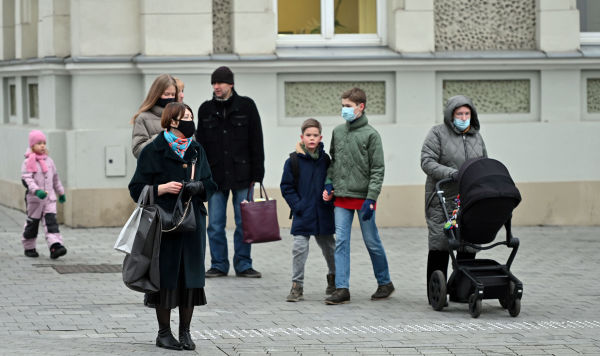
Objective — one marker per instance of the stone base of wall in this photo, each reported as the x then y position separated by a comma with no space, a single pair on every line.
558,203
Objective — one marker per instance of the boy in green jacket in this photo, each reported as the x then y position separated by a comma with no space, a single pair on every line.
355,177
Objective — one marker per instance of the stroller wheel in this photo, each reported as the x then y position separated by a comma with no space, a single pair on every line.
474,306
515,308
512,304
437,290
506,300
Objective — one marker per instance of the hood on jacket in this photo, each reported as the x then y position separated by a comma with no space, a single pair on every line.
300,149
455,102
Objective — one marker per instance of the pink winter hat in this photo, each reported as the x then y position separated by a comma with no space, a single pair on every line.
36,136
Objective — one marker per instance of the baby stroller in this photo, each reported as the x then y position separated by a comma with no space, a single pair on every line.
487,197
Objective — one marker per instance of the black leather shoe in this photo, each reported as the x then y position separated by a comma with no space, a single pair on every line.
167,341
213,272
249,273
185,339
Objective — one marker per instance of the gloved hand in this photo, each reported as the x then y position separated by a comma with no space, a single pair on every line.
329,188
193,188
62,199
367,209
41,194
454,176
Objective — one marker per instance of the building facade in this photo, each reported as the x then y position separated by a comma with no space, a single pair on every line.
79,69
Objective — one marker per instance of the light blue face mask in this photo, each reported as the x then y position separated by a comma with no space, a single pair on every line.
348,114
462,125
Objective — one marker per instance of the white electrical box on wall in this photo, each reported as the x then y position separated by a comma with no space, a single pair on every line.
114,161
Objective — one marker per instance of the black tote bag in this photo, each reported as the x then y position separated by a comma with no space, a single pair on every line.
141,267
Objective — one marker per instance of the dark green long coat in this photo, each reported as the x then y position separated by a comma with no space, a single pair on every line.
158,164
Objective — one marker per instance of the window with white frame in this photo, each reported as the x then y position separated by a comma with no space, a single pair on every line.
589,21
330,22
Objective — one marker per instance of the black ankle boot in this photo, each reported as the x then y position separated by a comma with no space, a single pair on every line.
186,340
166,340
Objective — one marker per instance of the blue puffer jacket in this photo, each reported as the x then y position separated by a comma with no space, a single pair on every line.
311,215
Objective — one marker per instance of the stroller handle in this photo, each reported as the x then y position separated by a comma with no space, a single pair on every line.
440,194
441,182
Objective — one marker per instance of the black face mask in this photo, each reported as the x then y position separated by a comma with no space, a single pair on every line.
163,102
186,127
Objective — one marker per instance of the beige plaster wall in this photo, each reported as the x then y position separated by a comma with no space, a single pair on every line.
558,203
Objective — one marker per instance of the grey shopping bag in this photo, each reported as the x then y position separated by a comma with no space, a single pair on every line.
127,235
141,267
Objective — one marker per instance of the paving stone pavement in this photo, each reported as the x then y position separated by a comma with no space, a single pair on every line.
43,312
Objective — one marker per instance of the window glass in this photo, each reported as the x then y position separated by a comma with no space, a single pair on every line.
12,92
299,17
355,16
33,100
589,15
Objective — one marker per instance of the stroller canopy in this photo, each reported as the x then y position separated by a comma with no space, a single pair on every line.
484,178
488,196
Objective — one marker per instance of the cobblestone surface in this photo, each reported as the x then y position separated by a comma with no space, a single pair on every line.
43,312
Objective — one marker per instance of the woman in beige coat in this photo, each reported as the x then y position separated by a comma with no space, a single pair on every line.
146,121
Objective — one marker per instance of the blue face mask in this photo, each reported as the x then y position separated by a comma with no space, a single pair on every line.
462,125
348,114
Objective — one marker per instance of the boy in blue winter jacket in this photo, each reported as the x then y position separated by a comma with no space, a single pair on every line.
302,184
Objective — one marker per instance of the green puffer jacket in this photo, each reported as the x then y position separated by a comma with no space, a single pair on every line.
357,165
445,149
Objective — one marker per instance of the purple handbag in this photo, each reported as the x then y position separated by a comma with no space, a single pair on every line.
259,218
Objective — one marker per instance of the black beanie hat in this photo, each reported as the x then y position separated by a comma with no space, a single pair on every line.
222,75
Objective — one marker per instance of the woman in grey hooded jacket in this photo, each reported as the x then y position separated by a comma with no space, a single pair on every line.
446,147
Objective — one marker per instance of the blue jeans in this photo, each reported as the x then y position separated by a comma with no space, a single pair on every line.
217,219
343,227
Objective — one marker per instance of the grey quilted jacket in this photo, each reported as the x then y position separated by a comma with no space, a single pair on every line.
145,129
445,149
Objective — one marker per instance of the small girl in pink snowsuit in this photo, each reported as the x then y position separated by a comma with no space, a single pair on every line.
43,187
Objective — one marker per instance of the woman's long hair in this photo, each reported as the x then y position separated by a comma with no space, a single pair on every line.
160,84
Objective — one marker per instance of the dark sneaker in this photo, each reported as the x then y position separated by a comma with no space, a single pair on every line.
330,284
383,292
340,296
31,253
213,272
57,250
295,293
249,273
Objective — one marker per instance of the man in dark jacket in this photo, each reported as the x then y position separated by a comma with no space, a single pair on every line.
230,131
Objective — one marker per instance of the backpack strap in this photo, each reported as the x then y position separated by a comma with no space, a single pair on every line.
295,171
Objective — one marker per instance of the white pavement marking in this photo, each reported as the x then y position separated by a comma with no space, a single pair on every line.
395,329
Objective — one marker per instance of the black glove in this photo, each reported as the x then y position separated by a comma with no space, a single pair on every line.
193,188
454,176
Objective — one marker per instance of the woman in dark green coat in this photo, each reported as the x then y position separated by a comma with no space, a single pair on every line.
164,164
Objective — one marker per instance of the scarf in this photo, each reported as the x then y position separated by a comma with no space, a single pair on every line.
177,144
32,158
